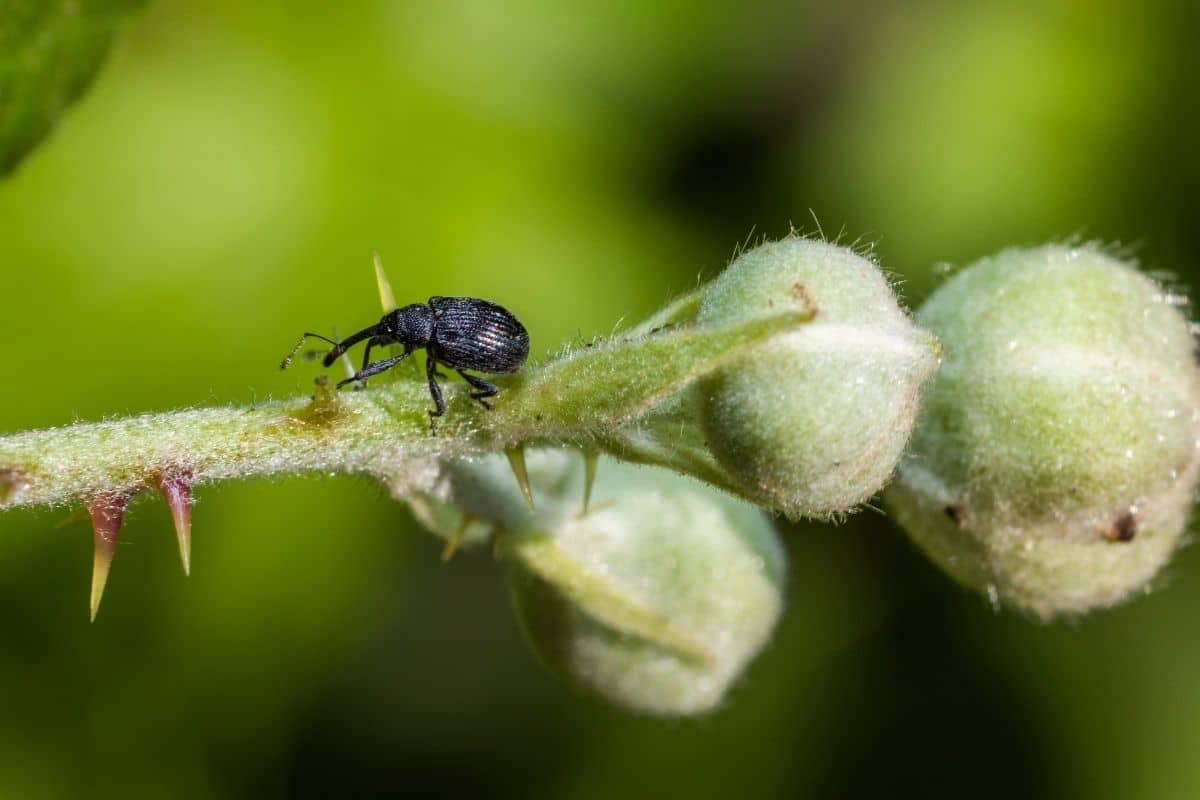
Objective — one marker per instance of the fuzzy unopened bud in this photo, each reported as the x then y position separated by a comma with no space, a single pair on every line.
813,422
658,597
655,599
1056,455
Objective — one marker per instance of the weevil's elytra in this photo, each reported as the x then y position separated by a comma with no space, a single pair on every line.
463,333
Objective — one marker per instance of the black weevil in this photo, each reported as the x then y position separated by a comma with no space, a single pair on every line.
461,332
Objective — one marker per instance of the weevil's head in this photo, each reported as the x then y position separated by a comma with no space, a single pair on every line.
410,325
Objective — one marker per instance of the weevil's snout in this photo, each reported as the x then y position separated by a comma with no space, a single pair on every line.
345,344
333,355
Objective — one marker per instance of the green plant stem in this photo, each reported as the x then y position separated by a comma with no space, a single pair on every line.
384,431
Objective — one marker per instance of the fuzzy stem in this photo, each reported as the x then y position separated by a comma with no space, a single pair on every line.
383,431
349,432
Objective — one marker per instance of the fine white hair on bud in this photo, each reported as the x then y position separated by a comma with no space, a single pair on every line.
813,421
1055,460
658,597
655,598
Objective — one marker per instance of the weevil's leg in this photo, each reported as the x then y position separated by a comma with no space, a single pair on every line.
375,369
377,341
367,354
435,391
486,389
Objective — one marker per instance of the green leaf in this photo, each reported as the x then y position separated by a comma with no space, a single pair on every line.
50,51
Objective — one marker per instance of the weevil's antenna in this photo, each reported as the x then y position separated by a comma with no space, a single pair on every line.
287,361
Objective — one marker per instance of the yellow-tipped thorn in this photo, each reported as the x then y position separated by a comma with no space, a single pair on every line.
101,563
516,460
348,365
177,491
456,540
107,515
590,460
386,298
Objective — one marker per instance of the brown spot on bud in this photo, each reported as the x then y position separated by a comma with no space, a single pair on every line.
1124,527
801,296
957,515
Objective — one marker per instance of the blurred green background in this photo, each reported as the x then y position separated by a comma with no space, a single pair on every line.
221,189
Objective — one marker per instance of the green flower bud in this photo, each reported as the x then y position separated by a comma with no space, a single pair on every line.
813,422
655,599
658,597
469,500
1056,456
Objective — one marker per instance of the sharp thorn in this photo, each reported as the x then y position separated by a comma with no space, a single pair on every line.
516,460
176,489
590,460
101,563
455,541
107,515
386,298
348,366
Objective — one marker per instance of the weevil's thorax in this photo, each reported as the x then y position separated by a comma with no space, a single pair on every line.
411,325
